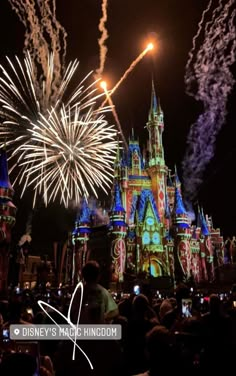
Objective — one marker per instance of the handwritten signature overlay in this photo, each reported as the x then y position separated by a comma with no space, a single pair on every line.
43,304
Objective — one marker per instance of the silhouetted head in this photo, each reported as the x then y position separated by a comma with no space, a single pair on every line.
140,305
214,303
181,292
90,272
159,346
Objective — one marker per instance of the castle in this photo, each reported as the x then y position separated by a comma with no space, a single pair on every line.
149,227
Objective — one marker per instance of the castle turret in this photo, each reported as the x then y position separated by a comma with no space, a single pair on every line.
7,218
156,165
80,237
170,187
118,232
200,237
135,158
168,240
183,234
167,216
206,235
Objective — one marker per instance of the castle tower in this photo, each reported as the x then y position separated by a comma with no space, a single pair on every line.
7,218
196,265
118,232
157,168
167,215
183,235
201,240
170,191
217,243
124,178
80,237
168,240
135,159
206,235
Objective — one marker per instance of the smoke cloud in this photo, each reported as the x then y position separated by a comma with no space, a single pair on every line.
102,40
44,36
209,80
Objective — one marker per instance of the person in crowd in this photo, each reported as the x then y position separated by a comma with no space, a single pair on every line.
94,296
125,307
143,319
165,307
216,330
15,314
161,353
105,355
172,320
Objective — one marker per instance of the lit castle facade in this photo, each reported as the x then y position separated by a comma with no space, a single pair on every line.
7,218
149,226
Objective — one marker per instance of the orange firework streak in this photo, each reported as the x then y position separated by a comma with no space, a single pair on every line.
111,104
131,67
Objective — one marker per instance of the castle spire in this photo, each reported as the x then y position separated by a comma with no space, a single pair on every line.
179,205
204,227
167,206
199,219
156,164
132,134
4,177
154,105
177,181
169,180
85,213
117,205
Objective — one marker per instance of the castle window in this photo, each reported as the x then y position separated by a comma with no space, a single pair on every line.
135,159
146,238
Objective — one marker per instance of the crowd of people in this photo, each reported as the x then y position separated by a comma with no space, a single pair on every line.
180,331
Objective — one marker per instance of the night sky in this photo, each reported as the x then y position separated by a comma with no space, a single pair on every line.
173,24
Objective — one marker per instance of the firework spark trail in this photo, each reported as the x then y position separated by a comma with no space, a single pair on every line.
211,70
21,102
43,35
127,72
101,41
112,106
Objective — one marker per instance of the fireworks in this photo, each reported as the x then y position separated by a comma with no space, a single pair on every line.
43,34
70,152
102,40
61,146
60,143
103,85
149,47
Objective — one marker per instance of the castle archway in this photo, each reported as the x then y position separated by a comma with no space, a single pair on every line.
153,266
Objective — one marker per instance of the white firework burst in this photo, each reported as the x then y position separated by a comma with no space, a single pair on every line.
72,154
62,146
